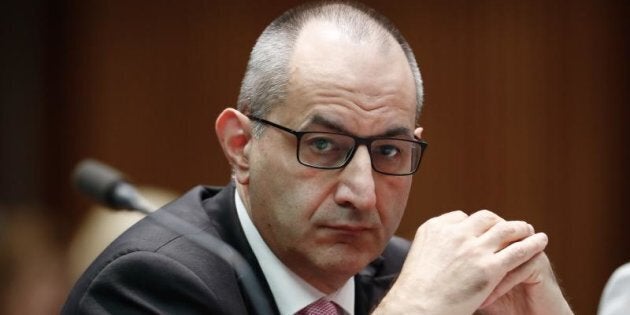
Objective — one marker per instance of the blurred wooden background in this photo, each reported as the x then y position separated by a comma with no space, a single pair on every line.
526,110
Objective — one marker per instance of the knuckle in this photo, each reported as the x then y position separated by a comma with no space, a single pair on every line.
458,214
520,253
506,229
487,217
526,229
428,224
486,214
509,230
512,229
452,216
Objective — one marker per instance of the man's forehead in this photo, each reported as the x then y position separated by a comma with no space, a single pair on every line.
326,50
329,48
330,67
338,37
356,32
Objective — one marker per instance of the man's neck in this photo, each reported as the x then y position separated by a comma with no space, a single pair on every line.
291,292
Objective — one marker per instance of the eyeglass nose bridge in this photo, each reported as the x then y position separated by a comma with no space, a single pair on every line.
356,144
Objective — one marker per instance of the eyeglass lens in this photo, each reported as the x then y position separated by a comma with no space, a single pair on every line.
328,150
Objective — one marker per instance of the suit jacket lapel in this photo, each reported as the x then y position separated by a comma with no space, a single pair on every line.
222,212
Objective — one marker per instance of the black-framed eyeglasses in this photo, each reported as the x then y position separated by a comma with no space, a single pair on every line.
330,150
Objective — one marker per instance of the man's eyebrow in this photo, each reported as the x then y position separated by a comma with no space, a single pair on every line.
327,123
332,125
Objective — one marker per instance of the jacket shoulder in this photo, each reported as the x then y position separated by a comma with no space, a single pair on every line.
151,258
145,282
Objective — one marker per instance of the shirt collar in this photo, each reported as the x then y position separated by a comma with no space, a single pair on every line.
290,292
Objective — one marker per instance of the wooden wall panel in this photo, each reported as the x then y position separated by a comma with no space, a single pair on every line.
525,109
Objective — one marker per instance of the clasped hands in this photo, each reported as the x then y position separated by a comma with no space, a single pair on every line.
460,264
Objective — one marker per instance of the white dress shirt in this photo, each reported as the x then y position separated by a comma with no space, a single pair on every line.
290,292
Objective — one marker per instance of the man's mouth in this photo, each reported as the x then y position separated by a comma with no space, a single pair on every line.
348,228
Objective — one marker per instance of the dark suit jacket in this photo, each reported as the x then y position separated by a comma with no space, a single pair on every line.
152,270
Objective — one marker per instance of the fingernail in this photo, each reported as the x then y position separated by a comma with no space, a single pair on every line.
531,228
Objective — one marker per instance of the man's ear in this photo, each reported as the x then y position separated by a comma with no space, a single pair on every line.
234,133
418,132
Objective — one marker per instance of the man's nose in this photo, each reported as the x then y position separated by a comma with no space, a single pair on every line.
356,187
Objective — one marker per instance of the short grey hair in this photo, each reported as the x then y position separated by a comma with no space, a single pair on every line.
267,75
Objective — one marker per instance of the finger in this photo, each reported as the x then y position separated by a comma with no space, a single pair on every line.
503,233
480,221
527,273
519,252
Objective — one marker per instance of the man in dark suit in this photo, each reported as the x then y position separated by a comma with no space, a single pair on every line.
152,269
322,147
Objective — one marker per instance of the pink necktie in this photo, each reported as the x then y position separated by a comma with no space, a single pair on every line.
320,307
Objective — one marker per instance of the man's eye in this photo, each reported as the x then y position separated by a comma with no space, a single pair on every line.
388,151
321,144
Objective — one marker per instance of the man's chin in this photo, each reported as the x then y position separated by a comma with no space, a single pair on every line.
345,258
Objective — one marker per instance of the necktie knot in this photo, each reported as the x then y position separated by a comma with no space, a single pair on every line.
320,307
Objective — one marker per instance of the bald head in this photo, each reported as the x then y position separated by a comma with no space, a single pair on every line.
268,70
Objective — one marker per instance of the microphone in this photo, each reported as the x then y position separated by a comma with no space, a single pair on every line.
108,187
